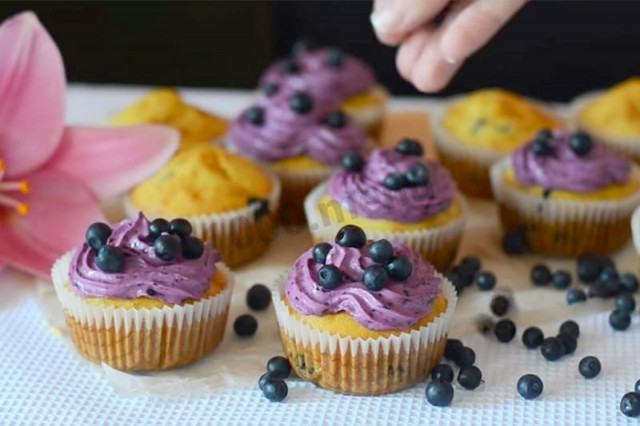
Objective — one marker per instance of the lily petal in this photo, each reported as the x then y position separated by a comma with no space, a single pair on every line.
112,160
60,210
32,94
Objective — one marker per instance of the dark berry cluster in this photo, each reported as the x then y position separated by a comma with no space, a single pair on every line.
171,240
108,258
272,383
580,143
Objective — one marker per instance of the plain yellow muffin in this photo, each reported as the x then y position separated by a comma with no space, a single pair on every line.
301,162
164,106
202,180
616,112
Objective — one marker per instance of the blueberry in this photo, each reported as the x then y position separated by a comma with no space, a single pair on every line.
589,367
260,206
569,343
381,251
353,162
571,328
638,386
470,377
532,337
158,226
608,274
613,287
395,181
270,89
561,280
245,325
167,247
576,295
452,348
552,348
540,275
180,227
110,259
541,148
599,290
581,143
335,58
514,242
457,281
499,305
263,380
255,115
303,46
375,277
619,320
329,277
351,236
289,66
465,357
625,302
629,282
486,281
466,273
192,248
439,394
337,119
279,366
530,386
544,135
472,264
417,175
320,252
258,297
301,102
589,267
275,389
505,330
97,235
400,268
442,373
630,404
409,146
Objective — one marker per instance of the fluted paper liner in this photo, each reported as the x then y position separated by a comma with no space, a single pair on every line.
240,235
437,245
143,339
563,227
363,366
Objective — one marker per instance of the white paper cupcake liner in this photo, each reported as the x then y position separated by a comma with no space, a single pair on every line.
635,229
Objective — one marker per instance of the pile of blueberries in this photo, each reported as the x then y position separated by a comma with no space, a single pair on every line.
272,383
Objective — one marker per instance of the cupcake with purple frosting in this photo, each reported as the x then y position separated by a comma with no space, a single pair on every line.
144,296
567,194
363,317
395,194
300,139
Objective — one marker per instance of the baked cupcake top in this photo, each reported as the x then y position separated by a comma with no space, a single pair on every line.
495,119
394,184
160,260
202,180
295,124
383,285
617,111
570,162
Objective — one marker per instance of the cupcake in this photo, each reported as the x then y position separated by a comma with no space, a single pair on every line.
164,106
476,130
363,317
229,200
143,296
335,78
299,140
567,194
395,194
612,116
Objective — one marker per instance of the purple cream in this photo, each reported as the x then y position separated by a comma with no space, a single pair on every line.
144,274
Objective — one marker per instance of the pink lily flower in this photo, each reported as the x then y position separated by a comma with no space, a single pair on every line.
52,177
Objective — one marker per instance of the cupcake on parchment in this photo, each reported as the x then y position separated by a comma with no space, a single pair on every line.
335,78
144,296
363,317
474,131
567,194
229,200
299,140
395,194
612,116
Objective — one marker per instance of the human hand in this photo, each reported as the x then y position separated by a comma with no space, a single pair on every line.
430,54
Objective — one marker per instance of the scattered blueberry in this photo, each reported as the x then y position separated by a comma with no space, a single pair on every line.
544,135
589,267
576,295
629,282
625,302
375,277
472,264
263,380
514,242
540,275
552,348
409,146
569,343
167,247
465,357
630,404
255,115
301,102
353,162
452,348
417,175
192,248
442,373
619,320
97,235
279,366
289,66
571,328
599,290
541,148
275,389
532,337
486,281
589,367
530,386
381,251
329,276
395,181
337,119
258,297
505,330
320,252
561,280
581,143
270,89
470,377
500,305
439,394
110,259
158,226
467,274
400,268
335,58
245,325
638,386
608,274
351,236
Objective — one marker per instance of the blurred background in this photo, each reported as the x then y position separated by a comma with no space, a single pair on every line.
552,50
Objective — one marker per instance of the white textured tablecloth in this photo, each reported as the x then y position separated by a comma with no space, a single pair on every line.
44,381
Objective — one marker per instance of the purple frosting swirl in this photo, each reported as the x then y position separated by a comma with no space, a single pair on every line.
364,194
399,305
144,274
563,169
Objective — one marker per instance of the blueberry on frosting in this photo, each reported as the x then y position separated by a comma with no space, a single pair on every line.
97,235
381,251
301,102
158,226
192,248
353,162
375,277
541,146
335,58
400,268
337,119
581,144
270,89
409,146
395,181
167,247
180,227
351,236
418,175
110,259
329,276
255,115
320,252
289,66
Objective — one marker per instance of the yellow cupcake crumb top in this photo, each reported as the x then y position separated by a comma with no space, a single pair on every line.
164,106
201,180
496,119
617,111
